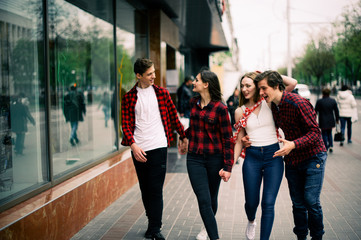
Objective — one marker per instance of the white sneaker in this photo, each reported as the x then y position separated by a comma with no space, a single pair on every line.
251,230
202,235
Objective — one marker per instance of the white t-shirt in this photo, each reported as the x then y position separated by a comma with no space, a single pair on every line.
149,131
261,128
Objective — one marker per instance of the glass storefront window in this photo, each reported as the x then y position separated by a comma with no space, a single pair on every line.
82,83
23,162
86,83
131,32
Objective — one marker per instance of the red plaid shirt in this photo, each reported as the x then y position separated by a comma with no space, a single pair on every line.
297,118
210,131
167,111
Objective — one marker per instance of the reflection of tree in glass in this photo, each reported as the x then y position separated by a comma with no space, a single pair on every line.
124,68
22,61
82,47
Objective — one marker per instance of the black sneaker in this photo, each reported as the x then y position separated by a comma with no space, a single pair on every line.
148,235
158,236
341,144
330,150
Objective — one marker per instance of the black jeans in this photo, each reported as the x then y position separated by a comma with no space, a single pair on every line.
203,172
151,175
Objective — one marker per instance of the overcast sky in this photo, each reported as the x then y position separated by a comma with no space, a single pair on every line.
260,27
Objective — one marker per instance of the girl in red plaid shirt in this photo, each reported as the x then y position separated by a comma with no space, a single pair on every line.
210,151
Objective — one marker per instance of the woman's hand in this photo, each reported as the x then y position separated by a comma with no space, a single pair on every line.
183,146
224,175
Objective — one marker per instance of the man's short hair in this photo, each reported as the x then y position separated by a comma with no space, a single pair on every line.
141,65
188,78
326,92
273,79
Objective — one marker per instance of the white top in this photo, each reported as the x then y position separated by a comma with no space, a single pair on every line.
261,128
149,131
346,103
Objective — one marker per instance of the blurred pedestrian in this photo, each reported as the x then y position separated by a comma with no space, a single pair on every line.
254,116
210,153
328,116
347,106
147,115
232,104
74,111
303,150
184,94
19,115
105,104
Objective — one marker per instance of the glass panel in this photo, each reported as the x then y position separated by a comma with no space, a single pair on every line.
23,164
132,38
82,82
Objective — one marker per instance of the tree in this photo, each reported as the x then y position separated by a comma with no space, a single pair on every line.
318,60
348,47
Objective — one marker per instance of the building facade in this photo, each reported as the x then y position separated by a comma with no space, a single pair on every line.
64,66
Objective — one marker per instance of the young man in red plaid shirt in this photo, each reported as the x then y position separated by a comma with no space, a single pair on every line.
303,150
147,115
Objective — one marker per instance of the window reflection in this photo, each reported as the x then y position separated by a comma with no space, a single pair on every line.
132,39
23,164
82,76
85,87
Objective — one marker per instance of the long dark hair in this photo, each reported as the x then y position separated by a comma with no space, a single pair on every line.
213,84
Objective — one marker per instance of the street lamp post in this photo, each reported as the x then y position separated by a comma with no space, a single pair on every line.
289,59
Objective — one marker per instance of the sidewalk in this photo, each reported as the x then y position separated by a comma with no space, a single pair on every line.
341,201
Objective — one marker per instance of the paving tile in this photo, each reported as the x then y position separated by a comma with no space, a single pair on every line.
340,199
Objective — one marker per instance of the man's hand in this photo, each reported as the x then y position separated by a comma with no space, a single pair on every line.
138,153
245,141
288,146
183,146
224,175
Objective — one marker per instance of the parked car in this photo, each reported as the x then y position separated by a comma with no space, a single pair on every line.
303,91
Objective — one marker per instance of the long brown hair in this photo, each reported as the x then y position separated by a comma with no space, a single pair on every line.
256,97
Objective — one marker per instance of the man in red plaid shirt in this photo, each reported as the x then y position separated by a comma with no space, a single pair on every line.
147,115
303,150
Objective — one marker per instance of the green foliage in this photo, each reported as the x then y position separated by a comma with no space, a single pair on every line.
325,61
317,61
348,47
220,57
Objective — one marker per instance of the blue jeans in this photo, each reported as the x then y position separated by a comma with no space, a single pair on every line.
151,175
305,183
327,137
343,121
19,142
203,172
106,115
74,129
259,163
